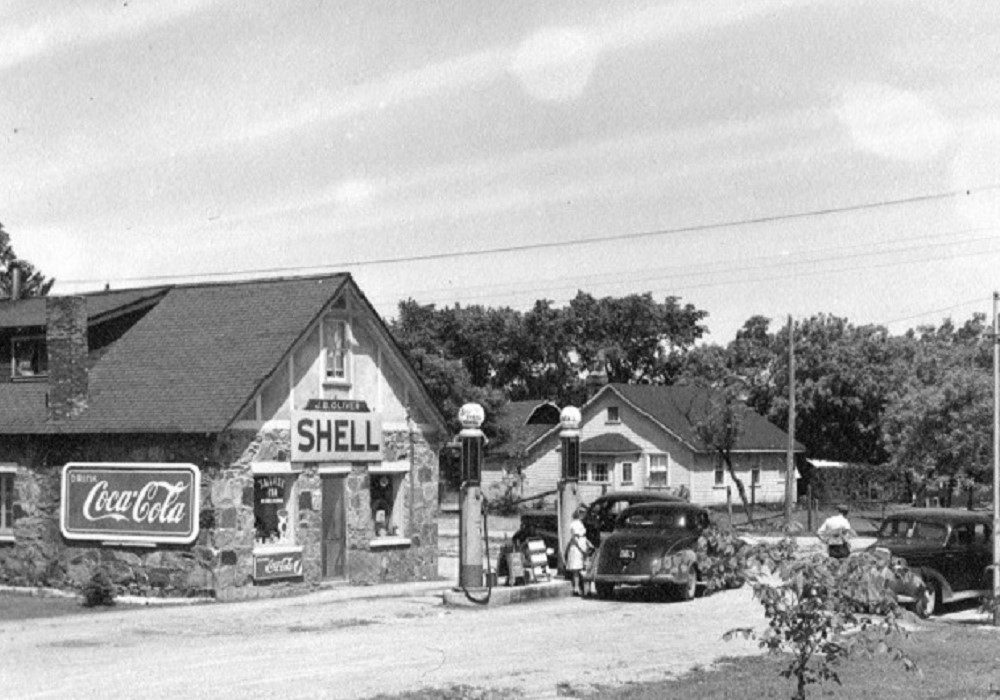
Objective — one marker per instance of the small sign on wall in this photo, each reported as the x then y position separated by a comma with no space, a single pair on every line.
272,567
130,502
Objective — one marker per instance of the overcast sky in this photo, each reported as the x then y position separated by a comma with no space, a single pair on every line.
703,144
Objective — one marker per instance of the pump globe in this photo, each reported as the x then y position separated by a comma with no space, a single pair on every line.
471,415
570,418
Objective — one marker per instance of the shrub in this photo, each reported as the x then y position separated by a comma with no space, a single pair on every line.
99,590
726,560
823,610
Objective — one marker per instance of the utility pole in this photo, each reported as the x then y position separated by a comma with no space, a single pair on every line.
790,467
996,462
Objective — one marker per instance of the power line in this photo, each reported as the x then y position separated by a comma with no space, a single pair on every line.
697,228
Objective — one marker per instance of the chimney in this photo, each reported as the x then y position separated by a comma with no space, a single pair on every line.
66,340
596,379
15,282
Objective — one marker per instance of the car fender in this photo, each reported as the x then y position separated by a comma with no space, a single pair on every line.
927,573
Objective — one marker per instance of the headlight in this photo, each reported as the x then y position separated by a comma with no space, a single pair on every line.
655,565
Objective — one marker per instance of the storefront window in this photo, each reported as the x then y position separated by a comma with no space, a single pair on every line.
272,513
384,491
7,500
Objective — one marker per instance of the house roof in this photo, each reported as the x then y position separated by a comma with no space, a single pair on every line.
678,408
30,312
610,444
525,421
190,364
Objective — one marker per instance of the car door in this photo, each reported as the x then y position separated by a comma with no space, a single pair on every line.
954,559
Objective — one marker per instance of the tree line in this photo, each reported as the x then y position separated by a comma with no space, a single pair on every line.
920,402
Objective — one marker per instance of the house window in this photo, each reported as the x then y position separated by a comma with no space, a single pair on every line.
29,358
658,474
335,346
626,472
595,472
7,501
755,476
720,473
272,509
386,513
613,415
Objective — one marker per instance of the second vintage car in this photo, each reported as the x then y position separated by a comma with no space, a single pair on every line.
948,549
653,544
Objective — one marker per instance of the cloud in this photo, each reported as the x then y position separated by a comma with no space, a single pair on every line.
37,37
891,123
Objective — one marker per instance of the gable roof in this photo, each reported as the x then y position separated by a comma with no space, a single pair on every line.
524,422
678,408
192,363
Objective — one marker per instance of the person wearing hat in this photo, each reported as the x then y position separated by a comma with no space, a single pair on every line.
836,532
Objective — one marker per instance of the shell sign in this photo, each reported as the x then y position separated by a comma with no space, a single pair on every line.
130,502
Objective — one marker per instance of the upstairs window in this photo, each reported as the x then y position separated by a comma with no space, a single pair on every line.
30,358
613,415
335,346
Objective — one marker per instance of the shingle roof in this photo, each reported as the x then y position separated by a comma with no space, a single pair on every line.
609,444
190,364
30,312
514,420
679,407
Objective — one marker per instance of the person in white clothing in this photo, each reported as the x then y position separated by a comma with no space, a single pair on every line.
836,532
577,551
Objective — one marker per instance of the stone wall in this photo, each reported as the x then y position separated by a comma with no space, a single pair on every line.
41,556
220,561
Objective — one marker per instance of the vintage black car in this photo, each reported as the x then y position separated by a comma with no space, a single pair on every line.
599,519
948,549
652,545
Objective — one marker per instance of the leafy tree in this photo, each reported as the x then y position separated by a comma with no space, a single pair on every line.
33,282
823,610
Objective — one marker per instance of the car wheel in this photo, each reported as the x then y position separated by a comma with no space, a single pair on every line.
928,599
604,590
687,591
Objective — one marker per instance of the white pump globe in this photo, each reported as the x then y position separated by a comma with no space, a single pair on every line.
570,418
471,415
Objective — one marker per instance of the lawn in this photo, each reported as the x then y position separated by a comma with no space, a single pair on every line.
956,661
22,607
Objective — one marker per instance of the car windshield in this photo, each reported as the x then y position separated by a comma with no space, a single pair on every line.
657,519
910,530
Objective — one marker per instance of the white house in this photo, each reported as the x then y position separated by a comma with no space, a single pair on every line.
643,437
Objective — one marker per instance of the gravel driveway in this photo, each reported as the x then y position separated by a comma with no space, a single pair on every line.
334,644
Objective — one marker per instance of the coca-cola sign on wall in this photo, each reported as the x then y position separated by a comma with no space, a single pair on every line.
137,502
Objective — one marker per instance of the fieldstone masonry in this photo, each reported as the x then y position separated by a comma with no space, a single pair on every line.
220,562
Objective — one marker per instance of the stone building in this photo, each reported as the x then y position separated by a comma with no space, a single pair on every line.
232,439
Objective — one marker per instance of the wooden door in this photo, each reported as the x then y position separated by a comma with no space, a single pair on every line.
334,536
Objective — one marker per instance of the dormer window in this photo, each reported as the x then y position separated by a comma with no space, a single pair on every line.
335,349
30,358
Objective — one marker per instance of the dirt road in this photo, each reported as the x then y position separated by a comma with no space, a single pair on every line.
328,645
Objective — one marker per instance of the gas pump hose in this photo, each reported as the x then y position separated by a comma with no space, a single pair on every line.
489,570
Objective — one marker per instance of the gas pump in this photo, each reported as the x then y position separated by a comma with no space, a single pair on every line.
471,518
568,492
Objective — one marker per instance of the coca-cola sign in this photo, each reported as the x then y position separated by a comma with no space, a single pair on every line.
277,565
137,502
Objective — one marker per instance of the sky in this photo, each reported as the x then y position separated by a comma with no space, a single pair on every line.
772,158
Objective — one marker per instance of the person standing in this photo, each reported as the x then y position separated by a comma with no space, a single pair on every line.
577,550
836,532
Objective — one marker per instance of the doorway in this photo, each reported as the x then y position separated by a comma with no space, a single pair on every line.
333,541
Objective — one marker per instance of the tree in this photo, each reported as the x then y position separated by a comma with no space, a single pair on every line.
33,282
823,610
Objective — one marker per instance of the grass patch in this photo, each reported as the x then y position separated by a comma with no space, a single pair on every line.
25,607
957,662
